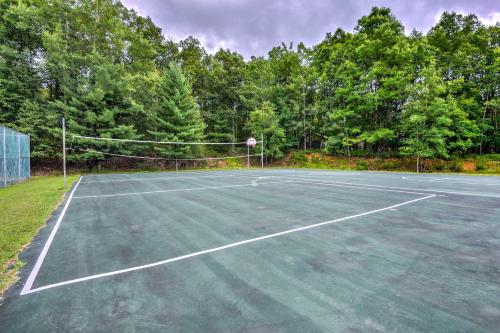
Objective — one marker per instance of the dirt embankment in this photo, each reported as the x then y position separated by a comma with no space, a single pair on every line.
473,164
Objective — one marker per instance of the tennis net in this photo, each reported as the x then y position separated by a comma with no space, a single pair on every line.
114,154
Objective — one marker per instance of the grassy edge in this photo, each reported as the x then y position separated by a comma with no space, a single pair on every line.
490,165
328,168
21,220
309,166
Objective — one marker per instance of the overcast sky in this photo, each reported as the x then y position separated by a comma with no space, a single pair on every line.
253,27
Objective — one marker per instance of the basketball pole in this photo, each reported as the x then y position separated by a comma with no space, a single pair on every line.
64,151
262,150
248,157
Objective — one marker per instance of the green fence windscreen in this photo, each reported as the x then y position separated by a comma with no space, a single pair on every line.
14,156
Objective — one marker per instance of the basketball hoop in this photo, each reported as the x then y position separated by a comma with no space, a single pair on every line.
251,142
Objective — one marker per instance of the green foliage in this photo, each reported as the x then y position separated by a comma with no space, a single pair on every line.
299,158
264,122
481,164
362,165
456,165
176,115
492,157
371,92
433,123
386,165
315,159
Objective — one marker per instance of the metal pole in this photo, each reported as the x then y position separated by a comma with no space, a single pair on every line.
64,151
262,150
4,157
248,156
417,148
176,165
19,156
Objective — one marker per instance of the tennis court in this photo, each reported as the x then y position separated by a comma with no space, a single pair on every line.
264,250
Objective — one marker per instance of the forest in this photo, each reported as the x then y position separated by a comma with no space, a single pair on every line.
376,90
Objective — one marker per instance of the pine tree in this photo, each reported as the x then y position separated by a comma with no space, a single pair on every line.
103,107
176,115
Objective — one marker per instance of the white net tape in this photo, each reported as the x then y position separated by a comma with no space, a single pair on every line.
161,142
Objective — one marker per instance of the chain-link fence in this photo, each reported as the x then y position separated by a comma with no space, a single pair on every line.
14,156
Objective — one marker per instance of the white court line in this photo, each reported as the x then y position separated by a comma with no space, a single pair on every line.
166,178
252,240
176,190
333,173
437,179
466,183
41,257
255,182
423,179
320,182
337,184
449,180
173,173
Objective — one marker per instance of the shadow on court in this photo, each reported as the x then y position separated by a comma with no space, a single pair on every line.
265,251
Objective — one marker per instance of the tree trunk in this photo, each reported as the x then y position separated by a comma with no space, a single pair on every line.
482,129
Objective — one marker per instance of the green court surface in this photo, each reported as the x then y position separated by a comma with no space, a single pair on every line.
265,251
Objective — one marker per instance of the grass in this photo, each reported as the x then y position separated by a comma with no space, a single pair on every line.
24,209
229,164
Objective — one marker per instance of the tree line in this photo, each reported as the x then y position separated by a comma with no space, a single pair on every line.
375,90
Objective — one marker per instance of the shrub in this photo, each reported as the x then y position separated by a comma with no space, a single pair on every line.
439,167
456,166
386,154
299,158
233,162
362,165
388,166
316,159
360,153
481,164
492,157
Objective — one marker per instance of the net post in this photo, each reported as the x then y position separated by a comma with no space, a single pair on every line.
176,165
248,157
64,150
262,150
4,157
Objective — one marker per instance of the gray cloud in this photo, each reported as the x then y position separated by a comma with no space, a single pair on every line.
253,27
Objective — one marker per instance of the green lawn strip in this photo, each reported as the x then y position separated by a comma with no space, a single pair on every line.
24,209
